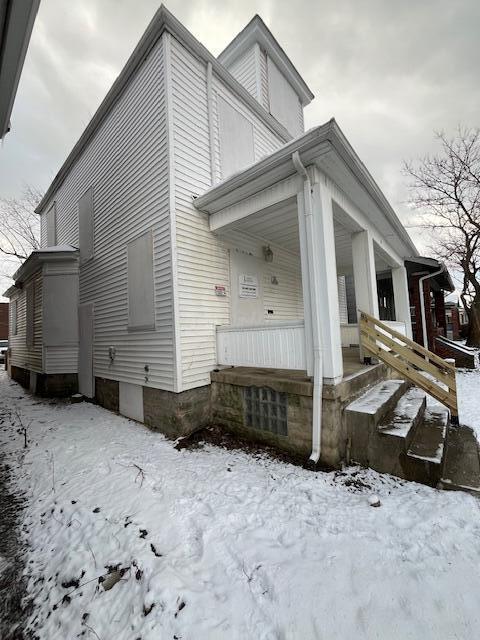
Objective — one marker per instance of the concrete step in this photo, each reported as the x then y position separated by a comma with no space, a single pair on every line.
396,432
365,413
461,469
425,456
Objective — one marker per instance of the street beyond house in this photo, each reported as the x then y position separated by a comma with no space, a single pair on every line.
130,538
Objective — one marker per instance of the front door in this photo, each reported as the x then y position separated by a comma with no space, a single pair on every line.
85,354
247,289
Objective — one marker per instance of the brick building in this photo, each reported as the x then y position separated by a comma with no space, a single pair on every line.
3,320
431,277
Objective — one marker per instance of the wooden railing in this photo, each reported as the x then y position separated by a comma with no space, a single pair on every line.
412,361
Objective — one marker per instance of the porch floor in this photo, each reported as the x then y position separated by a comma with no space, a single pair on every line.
288,380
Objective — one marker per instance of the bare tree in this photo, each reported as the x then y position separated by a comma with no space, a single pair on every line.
19,229
445,189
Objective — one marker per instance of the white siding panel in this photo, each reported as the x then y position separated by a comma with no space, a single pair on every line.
61,359
244,70
126,164
21,355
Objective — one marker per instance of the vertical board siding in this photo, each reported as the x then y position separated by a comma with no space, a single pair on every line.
126,164
21,355
244,70
202,257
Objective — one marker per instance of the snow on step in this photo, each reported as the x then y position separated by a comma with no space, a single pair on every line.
405,415
429,440
371,401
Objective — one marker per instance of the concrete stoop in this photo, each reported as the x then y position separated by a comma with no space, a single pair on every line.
461,470
391,430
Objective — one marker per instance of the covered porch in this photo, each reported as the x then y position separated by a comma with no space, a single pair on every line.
312,242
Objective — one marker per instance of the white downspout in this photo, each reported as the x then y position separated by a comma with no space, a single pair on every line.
422,302
307,244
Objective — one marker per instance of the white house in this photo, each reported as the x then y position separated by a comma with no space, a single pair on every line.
196,226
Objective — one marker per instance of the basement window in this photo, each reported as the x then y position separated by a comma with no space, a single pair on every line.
266,409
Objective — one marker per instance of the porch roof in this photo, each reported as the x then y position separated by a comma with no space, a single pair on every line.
327,147
63,252
429,265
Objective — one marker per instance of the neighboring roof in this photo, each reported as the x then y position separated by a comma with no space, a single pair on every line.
420,264
257,31
161,21
278,165
16,24
36,259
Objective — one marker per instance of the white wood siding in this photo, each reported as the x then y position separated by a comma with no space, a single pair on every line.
244,69
21,355
202,257
126,163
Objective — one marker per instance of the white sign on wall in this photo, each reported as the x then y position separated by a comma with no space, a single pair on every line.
247,286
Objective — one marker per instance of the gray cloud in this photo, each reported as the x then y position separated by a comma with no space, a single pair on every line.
390,72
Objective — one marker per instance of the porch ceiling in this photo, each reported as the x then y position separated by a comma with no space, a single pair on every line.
278,225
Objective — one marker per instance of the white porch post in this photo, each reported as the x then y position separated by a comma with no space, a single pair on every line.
306,286
364,274
325,280
401,298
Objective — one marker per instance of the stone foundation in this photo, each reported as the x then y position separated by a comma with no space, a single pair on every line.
20,375
176,414
55,385
228,408
107,393
51,385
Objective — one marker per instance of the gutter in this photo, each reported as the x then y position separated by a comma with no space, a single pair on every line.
307,242
422,302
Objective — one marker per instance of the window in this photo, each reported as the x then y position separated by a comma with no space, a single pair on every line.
30,314
266,409
13,314
52,226
85,225
141,308
236,139
284,102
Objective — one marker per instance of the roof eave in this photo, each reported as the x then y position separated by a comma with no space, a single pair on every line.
257,31
19,20
331,133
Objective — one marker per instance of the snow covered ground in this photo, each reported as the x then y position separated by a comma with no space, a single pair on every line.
214,544
468,390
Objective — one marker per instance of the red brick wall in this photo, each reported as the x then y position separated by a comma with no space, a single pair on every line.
3,320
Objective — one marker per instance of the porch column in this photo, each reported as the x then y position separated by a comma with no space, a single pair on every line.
401,298
325,281
364,275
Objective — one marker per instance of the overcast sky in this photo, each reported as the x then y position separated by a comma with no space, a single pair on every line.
389,71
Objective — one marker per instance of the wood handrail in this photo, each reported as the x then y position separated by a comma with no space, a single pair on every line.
411,360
